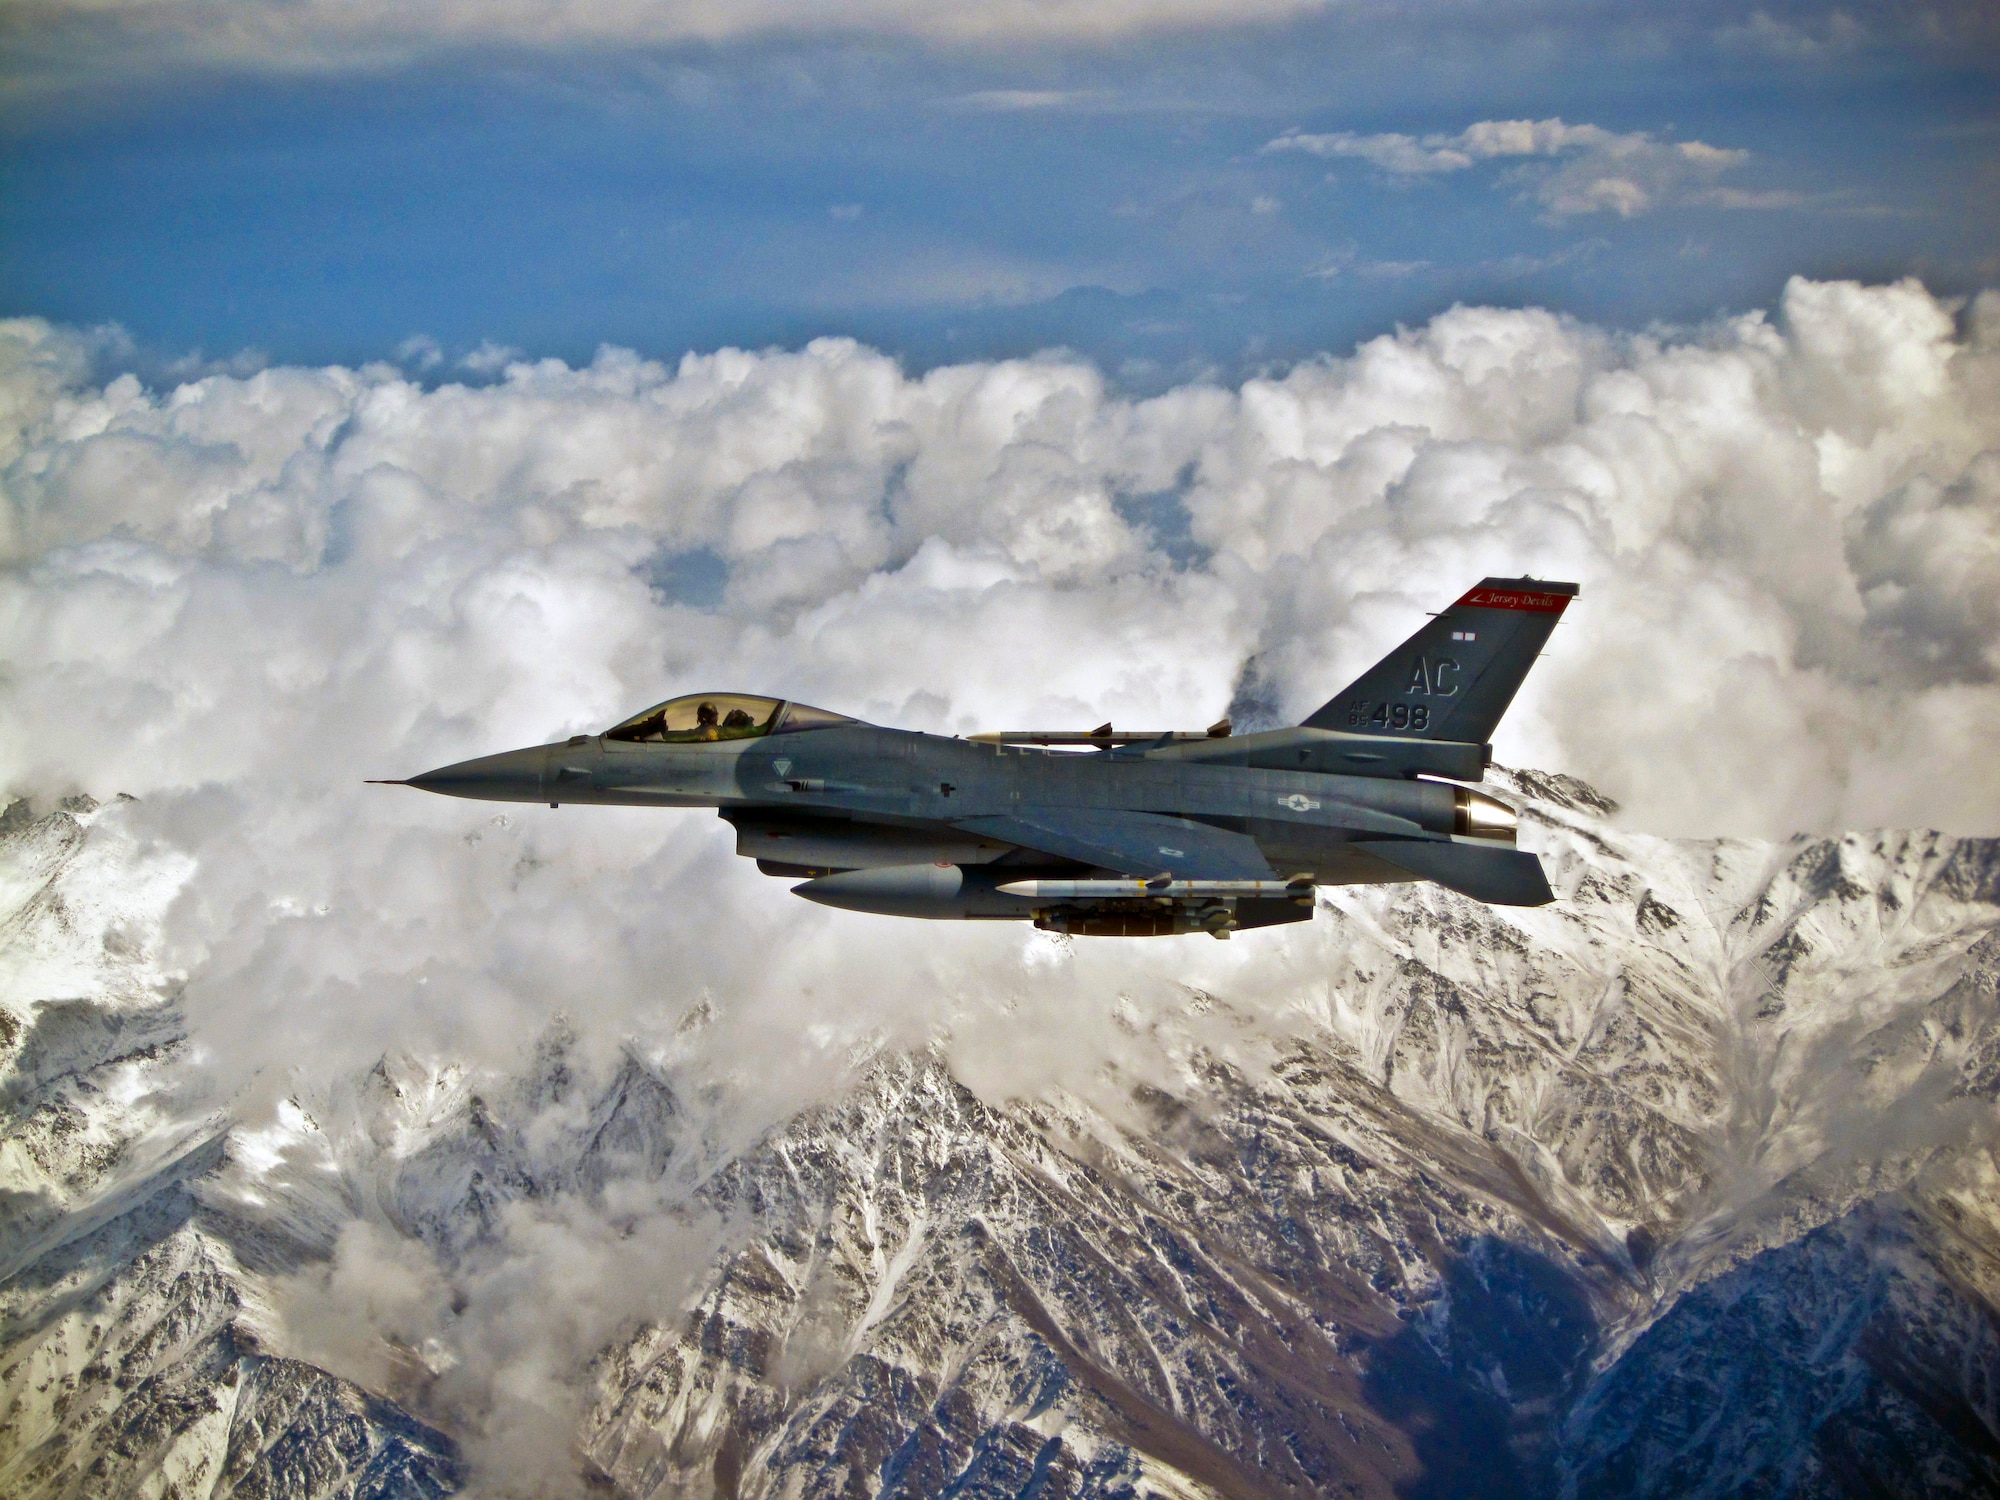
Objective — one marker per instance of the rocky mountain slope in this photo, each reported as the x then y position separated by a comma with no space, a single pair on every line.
1684,1186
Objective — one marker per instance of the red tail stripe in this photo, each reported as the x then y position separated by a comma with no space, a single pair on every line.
1541,604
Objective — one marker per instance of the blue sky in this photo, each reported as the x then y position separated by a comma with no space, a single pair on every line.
1166,197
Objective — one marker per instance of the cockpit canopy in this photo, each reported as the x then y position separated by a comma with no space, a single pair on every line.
702,717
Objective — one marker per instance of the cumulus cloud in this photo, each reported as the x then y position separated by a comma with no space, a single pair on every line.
236,596
1011,100
1347,260
316,34
295,35
421,351
478,1341
1595,170
1810,38
63,47
461,565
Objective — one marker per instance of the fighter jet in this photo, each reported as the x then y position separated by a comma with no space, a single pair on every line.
1135,833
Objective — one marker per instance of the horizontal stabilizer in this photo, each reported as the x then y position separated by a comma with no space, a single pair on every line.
1499,877
1132,843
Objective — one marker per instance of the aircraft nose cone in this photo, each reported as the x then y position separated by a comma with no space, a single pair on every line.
511,776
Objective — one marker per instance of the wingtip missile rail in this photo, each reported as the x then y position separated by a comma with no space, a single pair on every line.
1160,888
1102,736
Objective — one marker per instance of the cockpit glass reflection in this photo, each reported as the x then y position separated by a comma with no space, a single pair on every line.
703,717
805,716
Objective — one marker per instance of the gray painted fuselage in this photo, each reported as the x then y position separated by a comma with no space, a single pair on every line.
913,824
858,796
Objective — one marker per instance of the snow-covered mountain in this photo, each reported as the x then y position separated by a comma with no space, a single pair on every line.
1684,1186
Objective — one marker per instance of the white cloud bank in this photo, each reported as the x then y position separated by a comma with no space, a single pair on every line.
305,573
293,35
1596,170
144,37
239,597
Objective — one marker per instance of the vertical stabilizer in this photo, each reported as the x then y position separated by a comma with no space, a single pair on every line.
1453,679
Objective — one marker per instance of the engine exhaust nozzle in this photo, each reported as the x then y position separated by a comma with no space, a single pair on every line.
1477,816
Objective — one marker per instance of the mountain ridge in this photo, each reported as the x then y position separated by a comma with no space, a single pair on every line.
1465,1208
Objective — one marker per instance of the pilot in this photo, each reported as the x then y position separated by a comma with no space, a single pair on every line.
704,723
739,720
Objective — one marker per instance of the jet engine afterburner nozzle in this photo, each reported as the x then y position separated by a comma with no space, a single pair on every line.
1477,816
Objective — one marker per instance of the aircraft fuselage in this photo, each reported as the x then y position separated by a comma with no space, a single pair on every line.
1124,834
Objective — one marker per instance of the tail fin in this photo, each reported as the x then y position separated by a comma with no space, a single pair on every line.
1453,679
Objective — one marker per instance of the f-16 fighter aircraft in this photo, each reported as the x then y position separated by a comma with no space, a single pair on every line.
1102,832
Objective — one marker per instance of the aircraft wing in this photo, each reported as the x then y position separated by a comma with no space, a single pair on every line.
1132,843
1489,873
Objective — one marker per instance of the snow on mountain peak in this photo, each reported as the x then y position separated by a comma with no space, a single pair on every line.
1440,1199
